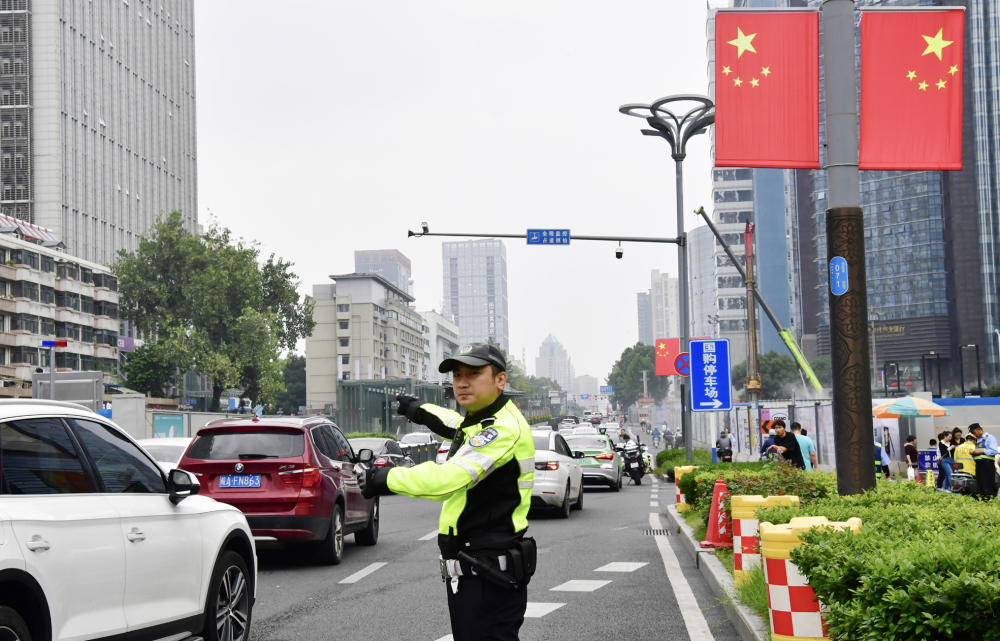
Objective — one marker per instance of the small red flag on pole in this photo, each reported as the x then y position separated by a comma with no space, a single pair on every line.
767,89
911,89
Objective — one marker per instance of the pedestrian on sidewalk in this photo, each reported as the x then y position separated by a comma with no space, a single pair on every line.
766,445
806,445
786,446
946,462
912,457
984,455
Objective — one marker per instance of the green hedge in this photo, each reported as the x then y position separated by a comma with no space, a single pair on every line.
667,460
539,419
926,565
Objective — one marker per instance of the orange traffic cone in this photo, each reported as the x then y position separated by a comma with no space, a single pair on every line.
720,531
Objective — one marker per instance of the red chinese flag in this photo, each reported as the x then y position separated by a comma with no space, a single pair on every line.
911,89
767,89
667,350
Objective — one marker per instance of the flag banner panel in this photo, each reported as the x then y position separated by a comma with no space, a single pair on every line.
911,90
767,89
667,350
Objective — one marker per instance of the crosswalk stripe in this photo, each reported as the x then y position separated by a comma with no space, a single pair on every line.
578,585
357,576
538,610
694,619
621,566
654,504
447,637
428,537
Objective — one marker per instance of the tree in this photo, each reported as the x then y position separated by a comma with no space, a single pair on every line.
293,372
148,370
823,368
212,306
778,373
626,376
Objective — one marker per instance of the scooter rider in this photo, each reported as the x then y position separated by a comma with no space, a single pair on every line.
656,436
486,487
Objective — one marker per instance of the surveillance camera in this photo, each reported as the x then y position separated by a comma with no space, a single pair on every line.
424,227
619,251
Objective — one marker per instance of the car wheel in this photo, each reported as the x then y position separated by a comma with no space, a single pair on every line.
12,626
616,485
579,500
228,611
563,511
369,535
331,549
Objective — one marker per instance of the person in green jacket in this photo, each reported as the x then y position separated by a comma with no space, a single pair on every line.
485,486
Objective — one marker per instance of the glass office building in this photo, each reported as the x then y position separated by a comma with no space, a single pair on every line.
475,290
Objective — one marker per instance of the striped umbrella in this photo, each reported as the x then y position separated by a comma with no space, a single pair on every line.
908,407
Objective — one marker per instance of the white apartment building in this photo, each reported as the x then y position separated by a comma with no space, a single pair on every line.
48,295
97,119
442,338
364,330
665,304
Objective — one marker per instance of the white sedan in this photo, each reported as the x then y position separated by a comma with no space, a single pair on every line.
558,477
167,452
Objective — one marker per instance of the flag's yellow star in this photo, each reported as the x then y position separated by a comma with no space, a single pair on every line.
953,70
765,71
940,84
742,42
755,82
726,70
911,75
923,86
936,44
737,82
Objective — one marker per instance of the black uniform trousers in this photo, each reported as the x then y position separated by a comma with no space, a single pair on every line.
986,475
484,611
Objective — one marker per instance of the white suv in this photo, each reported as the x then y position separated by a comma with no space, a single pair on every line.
96,541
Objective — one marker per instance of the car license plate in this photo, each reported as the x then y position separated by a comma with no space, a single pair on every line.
239,480
631,464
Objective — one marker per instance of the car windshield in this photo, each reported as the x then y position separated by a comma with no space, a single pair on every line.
165,453
541,441
373,444
246,445
416,438
587,442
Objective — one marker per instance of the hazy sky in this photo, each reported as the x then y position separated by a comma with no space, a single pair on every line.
326,127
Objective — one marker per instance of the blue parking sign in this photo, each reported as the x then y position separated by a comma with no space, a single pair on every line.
711,375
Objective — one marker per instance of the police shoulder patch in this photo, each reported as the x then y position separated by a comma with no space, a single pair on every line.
484,438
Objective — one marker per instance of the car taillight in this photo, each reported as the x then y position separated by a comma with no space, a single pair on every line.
380,462
444,449
551,465
308,477
607,456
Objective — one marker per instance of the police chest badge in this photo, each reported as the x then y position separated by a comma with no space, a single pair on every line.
484,438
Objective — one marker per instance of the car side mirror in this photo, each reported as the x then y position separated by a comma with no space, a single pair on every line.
578,454
181,484
366,456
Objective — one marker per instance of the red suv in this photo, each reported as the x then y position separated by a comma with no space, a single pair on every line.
293,478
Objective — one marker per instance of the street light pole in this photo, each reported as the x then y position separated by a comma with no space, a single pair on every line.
677,129
753,370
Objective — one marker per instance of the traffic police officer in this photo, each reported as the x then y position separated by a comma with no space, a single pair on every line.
485,485
984,455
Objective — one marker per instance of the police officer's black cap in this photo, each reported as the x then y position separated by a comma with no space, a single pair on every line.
475,355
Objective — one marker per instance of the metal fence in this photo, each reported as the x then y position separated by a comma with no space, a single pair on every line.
370,406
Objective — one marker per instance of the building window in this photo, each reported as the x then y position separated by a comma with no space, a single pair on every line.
24,289
68,299
87,334
344,342
86,304
343,308
345,359
24,323
48,326
68,270
106,280
343,325
27,355
48,295
48,264
346,376
24,257
86,275
104,308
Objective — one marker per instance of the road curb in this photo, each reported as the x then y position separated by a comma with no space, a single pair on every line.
749,626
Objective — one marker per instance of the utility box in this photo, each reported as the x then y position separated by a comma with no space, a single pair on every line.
85,388
128,411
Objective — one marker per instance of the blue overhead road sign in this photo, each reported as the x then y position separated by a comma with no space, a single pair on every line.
711,377
548,236
606,389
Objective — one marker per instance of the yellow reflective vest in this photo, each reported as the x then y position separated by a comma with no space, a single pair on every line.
485,485
963,458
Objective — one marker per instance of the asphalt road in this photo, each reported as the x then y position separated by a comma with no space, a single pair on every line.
394,591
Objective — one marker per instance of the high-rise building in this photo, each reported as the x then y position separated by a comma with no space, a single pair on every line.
664,301
701,269
97,119
475,290
365,329
554,363
644,305
390,264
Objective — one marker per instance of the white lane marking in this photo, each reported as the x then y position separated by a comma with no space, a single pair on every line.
621,566
654,504
694,619
428,537
538,610
357,576
624,527
447,638
578,585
